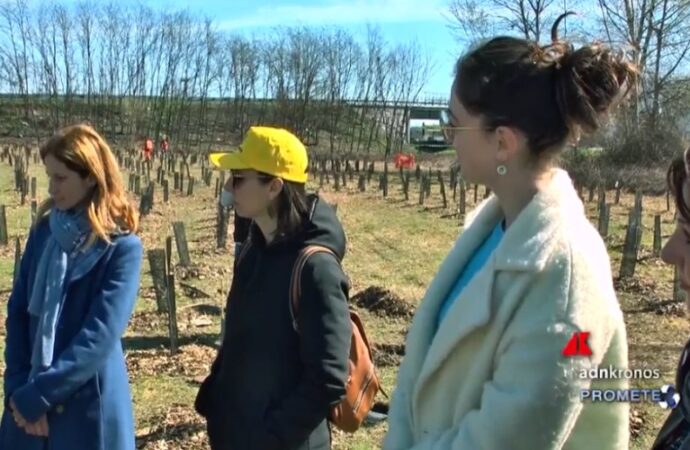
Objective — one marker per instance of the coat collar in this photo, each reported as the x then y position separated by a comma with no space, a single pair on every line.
80,270
525,247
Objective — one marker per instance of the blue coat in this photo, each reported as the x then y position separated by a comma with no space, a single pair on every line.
85,393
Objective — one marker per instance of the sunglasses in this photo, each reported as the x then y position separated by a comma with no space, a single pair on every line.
237,180
449,130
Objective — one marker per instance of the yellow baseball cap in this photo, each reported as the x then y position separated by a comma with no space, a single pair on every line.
273,151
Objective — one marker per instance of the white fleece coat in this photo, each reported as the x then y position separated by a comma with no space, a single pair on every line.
493,376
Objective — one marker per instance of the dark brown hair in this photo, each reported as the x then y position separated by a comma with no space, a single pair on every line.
676,177
550,92
290,207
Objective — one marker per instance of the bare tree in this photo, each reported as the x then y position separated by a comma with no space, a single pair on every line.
364,118
275,57
134,71
304,64
15,28
45,40
244,66
208,76
375,54
470,21
65,26
473,20
340,54
655,32
408,72
86,40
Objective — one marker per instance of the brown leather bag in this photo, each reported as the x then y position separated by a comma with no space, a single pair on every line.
362,383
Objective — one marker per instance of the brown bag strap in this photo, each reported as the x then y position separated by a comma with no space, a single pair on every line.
295,279
295,293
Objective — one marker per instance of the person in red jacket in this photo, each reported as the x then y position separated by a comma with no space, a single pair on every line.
165,145
148,149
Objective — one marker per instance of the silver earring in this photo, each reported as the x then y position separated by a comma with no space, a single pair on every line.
502,170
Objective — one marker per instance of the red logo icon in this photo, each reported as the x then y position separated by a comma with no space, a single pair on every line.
577,345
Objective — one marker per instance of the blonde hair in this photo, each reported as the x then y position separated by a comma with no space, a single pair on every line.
83,150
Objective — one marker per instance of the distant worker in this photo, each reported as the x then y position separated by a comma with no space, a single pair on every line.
164,145
148,149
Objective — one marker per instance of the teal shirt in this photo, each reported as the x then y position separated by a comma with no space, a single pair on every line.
474,265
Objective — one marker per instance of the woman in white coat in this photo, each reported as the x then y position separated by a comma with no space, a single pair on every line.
484,368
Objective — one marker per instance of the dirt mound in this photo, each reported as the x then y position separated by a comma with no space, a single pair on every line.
635,286
676,309
388,355
383,302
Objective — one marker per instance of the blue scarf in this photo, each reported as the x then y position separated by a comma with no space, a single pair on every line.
68,231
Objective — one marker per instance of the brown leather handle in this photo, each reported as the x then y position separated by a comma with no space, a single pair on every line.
295,278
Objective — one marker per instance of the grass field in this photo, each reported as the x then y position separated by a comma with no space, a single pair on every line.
392,244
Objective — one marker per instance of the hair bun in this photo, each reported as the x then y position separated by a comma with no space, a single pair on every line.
559,51
592,78
555,55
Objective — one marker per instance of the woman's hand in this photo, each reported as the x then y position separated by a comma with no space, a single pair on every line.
39,428
21,422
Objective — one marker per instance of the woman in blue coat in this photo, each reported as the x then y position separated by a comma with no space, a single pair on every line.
65,383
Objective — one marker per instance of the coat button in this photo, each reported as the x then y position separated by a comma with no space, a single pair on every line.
60,409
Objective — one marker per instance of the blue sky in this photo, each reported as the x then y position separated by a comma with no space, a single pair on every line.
400,21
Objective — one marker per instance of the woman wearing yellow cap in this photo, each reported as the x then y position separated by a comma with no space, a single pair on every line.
273,382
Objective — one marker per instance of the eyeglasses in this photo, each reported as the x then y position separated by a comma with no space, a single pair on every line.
449,130
237,180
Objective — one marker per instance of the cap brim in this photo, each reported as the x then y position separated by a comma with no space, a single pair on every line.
228,161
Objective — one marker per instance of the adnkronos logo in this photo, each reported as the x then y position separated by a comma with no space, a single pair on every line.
578,346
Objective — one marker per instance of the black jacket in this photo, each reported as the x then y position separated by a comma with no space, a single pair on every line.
678,421
271,388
